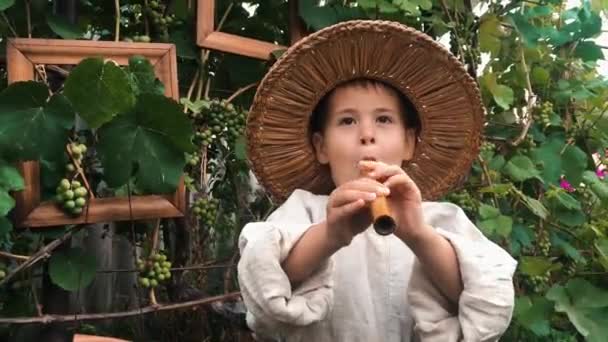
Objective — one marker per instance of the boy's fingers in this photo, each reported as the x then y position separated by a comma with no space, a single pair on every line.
347,196
369,185
349,209
400,180
386,171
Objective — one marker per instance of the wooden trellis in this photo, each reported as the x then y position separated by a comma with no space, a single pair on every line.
23,55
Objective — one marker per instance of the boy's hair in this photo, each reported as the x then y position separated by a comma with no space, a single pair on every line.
408,111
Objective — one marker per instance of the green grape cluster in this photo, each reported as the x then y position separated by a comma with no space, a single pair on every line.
540,283
141,39
464,200
78,152
206,210
218,118
71,196
543,242
205,136
193,159
162,21
154,270
487,147
543,114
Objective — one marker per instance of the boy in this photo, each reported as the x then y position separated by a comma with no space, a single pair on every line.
314,271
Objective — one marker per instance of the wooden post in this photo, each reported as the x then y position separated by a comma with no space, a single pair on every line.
297,27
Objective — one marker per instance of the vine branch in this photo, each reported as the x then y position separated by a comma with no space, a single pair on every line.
46,319
14,256
117,24
43,253
80,171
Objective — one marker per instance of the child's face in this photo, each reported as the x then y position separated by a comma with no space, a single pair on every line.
362,123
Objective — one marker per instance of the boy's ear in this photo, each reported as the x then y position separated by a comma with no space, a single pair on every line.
317,142
410,144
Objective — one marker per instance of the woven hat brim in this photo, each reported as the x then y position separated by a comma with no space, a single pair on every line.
445,96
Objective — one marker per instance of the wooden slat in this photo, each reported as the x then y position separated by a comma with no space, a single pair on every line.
205,17
28,198
240,45
105,210
19,67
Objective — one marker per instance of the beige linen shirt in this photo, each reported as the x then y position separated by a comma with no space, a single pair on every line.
374,289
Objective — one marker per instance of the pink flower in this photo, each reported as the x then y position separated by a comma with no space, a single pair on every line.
600,172
564,184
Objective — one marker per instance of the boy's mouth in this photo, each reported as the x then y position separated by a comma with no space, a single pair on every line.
369,158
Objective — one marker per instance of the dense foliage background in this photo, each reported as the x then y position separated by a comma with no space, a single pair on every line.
538,188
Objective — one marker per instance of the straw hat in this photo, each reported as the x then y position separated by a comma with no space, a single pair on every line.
446,98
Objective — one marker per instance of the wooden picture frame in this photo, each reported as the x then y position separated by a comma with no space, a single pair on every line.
207,37
22,56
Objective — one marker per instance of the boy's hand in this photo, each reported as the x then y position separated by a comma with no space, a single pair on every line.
347,212
405,199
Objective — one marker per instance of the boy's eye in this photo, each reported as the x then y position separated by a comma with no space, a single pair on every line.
385,119
346,121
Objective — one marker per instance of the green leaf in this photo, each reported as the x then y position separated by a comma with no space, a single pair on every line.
588,51
72,269
10,178
63,28
537,266
574,162
30,127
528,32
99,91
597,186
6,4
571,218
585,306
601,246
153,138
240,148
6,203
490,34
143,76
497,163
534,314
488,211
567,248
535,206
539,76
503,95
548,155
499,189
567,200
521,168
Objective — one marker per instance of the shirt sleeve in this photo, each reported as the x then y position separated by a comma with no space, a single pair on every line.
273,307
486,303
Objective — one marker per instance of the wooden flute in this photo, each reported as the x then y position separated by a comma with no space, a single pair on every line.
383,219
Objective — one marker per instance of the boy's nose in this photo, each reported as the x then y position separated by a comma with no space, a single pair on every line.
367,135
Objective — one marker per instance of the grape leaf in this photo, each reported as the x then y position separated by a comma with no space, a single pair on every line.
548,155
534,313
6,202
502,94
143,76
537,266
63,28
152,138
585,305
6,4
574,162
520,168
597,186
490,34
30,126
5,228
72,269
10,178
99,91
588,51
601,246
